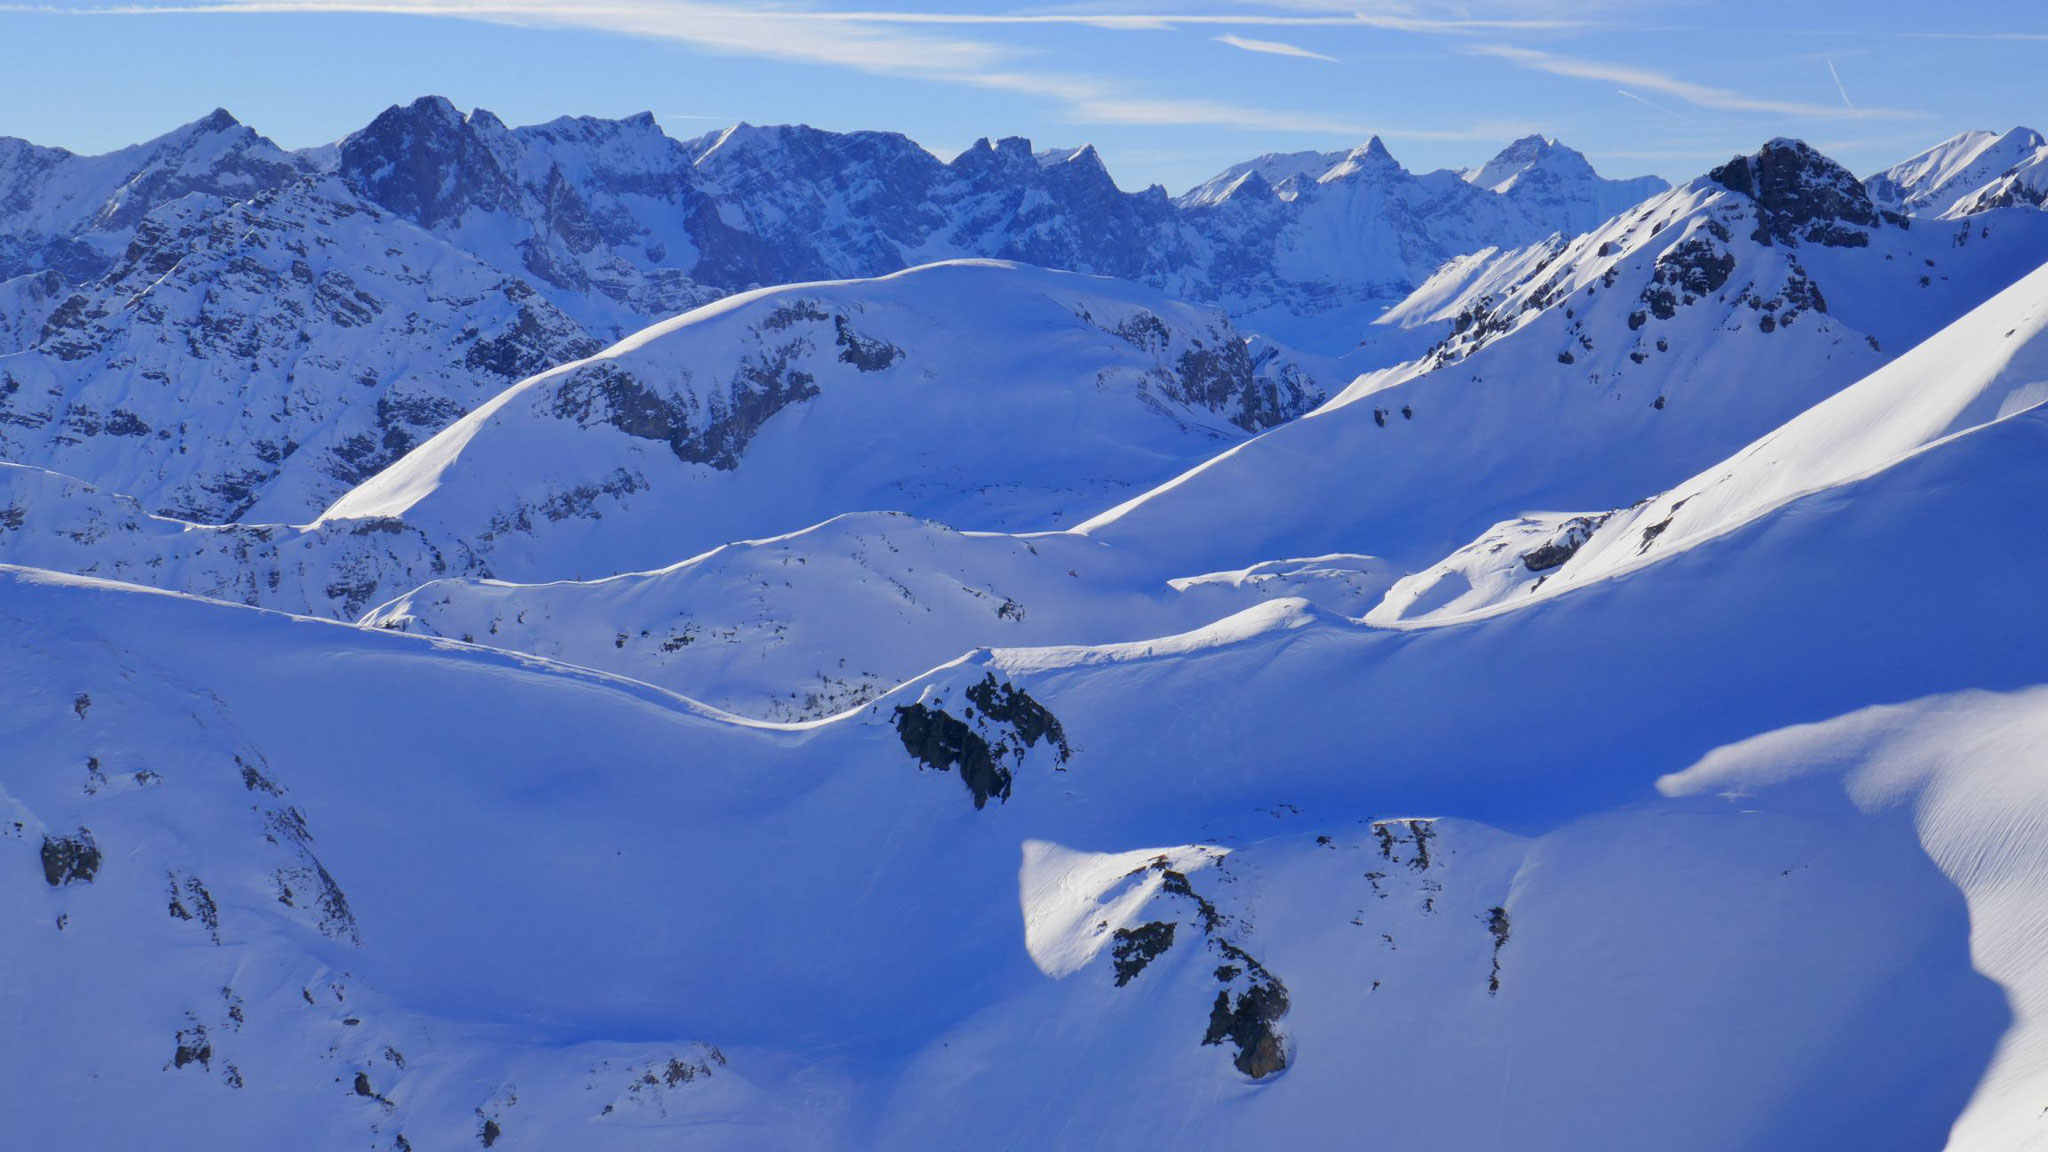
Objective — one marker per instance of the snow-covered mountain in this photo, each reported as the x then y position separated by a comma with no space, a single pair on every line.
1617,363
1557,183
596,208
1989,365
984,394
1175,863
467,254
73,215
255,360
1337,238
1966,174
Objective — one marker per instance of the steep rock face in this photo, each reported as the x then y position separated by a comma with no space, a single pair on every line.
1802,195
982,393
428,163
599,213
805,203
259,358
25,305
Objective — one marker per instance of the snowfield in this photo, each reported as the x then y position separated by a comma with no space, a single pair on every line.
876,652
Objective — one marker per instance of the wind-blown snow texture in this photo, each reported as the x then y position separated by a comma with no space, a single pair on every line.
938,702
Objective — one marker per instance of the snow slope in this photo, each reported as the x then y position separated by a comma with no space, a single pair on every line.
819,621
1964,174
336,571
1586,374
1722,834
984,394
1446,837
1989,365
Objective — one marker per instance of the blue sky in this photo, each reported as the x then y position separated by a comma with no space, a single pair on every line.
1169,90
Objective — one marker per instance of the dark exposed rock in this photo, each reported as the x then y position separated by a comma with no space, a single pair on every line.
1134,948
1802,196
191,901
1249,1022
192,1046
941,741
426,162
1653,531
532,343
865,354
1008,716
68,859
1249,1025
1567,541
763,385
1005,703
1497,926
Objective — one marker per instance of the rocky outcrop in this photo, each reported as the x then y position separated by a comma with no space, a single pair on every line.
984,745
1803,197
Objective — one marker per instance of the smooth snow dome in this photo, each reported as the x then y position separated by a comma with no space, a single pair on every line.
986,394
562,637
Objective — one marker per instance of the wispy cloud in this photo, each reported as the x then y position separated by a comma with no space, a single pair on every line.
1271,47
2018,36
1698,95
907,44
572,11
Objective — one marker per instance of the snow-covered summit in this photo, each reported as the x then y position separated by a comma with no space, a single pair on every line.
1988,366
982,393
1965,174
1559,183
73,214
258,358
1619,361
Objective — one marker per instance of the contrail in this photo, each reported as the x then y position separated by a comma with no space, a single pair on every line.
1653,104
1844,91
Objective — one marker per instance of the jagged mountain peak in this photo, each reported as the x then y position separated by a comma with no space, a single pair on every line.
1010,154
426,161
1085,155
1273,169
1369,158
1511,161
1801,194
218,120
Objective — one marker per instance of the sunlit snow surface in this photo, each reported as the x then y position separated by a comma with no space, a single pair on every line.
1603,729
